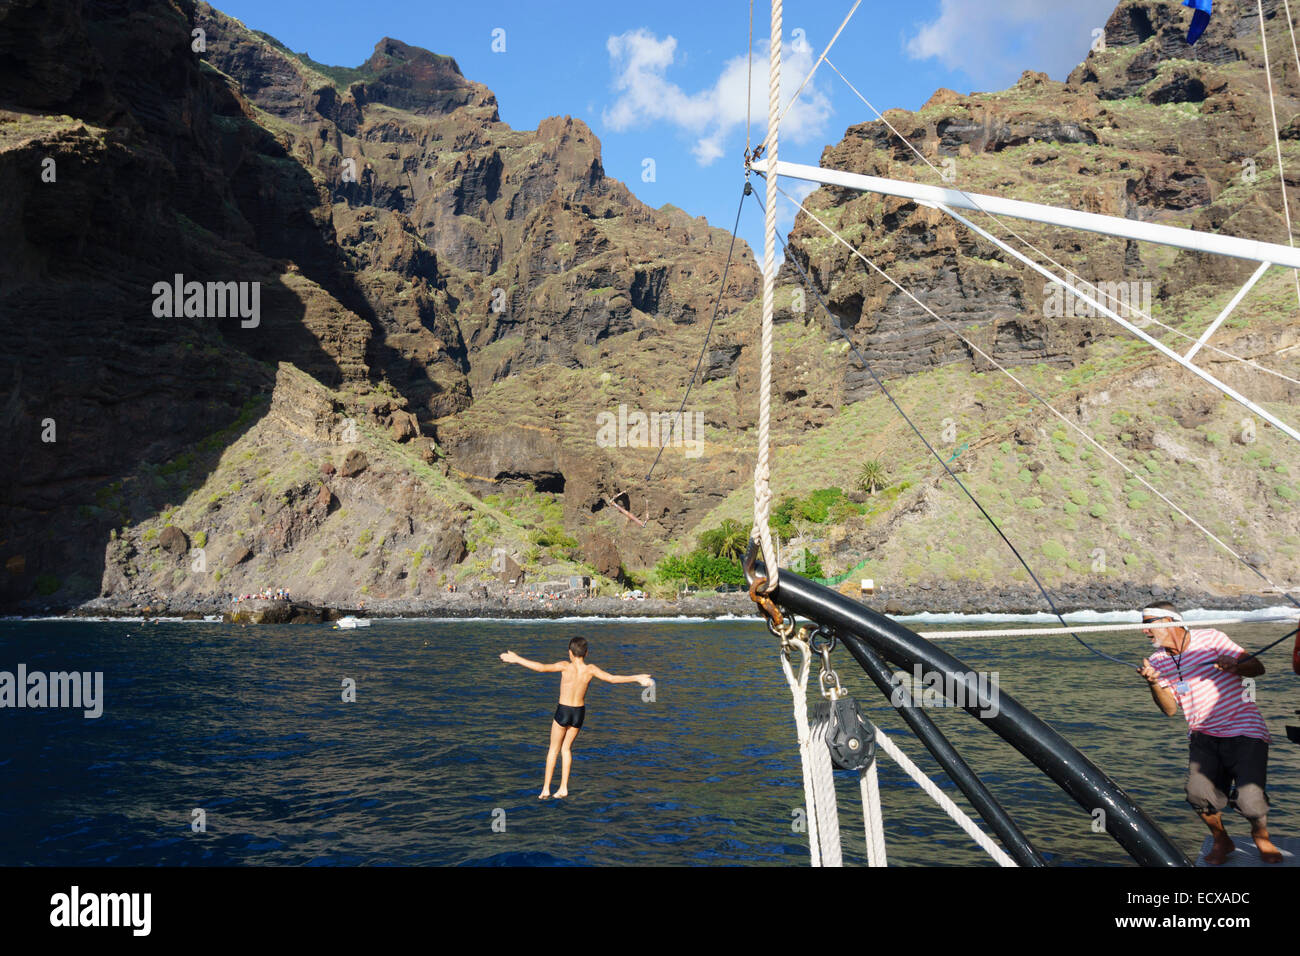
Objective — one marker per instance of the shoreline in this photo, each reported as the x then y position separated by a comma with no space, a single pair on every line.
944,598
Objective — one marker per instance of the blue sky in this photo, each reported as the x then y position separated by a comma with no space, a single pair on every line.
663,80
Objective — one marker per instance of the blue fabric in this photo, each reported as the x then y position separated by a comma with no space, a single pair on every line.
1200,19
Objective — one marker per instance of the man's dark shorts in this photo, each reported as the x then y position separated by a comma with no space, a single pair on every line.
1216,763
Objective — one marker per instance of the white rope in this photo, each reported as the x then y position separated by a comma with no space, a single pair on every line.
799,690
1045,255
763,469
1005,371
938,796
1286,4
828,813
1277,136
1098,628
872,820
821,809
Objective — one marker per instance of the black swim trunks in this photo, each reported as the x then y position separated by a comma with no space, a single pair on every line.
567,716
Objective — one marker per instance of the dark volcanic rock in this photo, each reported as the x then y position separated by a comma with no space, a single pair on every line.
173,540
354,464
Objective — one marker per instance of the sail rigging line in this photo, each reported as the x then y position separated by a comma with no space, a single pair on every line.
1251,363
1286,4
1042,401
1277,136
704,350
749,82
1182,361
762,530
808,79
919,434
1105,628
1269,647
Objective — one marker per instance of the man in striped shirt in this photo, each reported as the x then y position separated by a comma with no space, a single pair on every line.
1200,671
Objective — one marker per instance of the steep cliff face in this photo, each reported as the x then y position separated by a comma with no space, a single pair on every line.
408,249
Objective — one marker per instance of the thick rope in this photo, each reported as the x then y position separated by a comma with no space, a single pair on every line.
762,530
820,806
938,796
872,820
828,811
1098,628
799,690
1277,136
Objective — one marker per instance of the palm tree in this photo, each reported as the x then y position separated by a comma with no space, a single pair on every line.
872,477
733,539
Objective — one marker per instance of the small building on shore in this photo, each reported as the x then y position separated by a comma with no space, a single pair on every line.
511,574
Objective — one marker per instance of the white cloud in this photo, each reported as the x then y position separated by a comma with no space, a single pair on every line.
640,61
995,43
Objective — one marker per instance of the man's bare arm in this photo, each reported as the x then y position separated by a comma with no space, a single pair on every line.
510,657
644,680
1163,696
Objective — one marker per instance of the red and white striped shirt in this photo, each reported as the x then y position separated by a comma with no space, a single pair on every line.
1213,701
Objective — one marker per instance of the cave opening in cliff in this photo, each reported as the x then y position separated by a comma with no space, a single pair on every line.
621,500
1140,21
544,482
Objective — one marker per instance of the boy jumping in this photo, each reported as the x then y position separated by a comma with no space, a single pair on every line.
577,674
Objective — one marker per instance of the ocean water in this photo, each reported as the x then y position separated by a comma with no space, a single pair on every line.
439,760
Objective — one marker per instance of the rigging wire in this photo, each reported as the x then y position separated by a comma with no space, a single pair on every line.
808,79
1277,137
1045,255
919,434
717,306
1033,394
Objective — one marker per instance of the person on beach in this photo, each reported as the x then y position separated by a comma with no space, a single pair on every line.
576,675
1200,671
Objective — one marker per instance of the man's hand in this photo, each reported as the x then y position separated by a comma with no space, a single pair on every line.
644,680
510,657
1148,672
1230,664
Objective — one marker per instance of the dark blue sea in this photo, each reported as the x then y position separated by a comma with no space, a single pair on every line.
439,759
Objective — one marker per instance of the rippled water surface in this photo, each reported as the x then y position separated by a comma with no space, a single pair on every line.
444,740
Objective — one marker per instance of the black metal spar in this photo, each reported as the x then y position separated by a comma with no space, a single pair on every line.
863,631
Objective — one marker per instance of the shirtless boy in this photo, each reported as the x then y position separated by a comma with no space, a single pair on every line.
576,675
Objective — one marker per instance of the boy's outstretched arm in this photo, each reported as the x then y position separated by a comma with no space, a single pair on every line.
645,680
510,657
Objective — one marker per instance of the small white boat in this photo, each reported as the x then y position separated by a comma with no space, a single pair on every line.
349,622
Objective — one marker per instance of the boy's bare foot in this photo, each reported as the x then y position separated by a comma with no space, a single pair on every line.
544,795
1218,854
1267,851
561,793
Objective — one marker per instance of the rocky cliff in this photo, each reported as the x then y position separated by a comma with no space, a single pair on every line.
447,306
409,249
